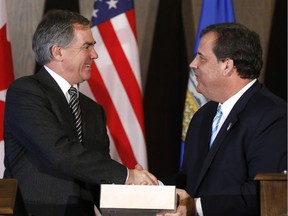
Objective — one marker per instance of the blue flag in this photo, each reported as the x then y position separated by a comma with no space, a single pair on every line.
212,12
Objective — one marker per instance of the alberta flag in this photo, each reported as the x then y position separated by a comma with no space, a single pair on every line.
212,12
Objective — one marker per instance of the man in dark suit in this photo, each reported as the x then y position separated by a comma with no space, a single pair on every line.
59,165
250,133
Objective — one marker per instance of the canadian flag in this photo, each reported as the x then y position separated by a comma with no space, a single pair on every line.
6,74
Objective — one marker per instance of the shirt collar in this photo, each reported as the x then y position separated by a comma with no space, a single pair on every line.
62,83
227,106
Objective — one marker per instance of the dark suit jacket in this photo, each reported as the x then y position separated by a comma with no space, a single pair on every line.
56,173
252,140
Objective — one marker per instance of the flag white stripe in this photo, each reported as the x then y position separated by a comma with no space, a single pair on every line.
2,167
3,95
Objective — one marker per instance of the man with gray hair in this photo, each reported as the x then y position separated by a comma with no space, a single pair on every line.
56,143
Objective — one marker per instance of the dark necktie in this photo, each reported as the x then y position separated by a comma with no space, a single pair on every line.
215,124
76,111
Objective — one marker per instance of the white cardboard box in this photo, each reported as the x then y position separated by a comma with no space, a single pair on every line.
128,200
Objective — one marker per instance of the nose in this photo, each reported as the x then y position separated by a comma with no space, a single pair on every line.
94,54
194,63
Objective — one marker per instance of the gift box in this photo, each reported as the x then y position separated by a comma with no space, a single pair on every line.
128,200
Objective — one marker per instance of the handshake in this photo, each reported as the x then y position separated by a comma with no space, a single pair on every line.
185,203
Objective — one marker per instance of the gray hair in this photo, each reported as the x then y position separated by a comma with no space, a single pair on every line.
56,28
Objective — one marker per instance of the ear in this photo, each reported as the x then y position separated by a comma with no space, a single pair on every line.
56,53
228,67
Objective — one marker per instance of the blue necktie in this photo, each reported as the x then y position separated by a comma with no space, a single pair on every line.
215,124
76,111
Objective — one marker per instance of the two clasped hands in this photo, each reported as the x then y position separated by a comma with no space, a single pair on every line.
140,176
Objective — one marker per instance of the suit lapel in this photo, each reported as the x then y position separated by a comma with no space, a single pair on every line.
53,91
227,126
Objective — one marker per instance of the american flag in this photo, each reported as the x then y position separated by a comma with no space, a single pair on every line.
115,80
6,74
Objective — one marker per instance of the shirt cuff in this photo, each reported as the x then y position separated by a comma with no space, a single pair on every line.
127,175
199,211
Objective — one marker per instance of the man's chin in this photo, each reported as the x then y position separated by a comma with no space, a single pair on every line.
86,77
198,89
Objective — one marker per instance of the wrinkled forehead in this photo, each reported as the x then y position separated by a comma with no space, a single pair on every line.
82,34
78,26
208,41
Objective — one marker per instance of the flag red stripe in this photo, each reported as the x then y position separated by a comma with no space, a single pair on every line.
6,64
123,68
101,94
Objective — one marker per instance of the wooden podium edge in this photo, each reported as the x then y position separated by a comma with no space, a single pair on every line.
8,189
271,177
11,201
273,193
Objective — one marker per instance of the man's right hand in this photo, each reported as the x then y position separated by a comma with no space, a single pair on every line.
140,176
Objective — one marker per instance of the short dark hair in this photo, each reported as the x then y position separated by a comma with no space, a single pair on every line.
55,28
237,42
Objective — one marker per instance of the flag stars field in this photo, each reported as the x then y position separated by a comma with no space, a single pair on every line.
112,4
94,14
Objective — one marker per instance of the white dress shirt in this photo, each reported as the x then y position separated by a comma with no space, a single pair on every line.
63,84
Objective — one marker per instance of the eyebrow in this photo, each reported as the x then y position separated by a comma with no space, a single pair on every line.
201,55
89,43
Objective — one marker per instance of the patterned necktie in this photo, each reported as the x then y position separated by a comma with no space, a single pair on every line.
215,124
76,111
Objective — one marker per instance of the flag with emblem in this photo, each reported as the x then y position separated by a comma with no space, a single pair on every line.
6,74
115,81
212,12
